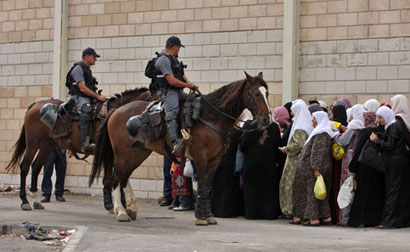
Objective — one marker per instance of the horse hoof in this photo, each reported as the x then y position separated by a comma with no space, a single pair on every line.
123,217
26,207
211,221
111,211
132,214
38,206
200,222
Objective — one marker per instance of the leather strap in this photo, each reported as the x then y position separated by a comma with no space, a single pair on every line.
216,128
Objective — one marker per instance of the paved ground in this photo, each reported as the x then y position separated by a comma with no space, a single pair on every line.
159,229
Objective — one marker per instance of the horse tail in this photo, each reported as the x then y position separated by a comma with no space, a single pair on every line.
104,155
19,148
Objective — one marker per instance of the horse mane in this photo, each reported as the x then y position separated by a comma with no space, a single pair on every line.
226,98
128,94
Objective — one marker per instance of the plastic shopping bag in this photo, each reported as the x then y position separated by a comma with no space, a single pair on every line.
189,169
346,193
320,188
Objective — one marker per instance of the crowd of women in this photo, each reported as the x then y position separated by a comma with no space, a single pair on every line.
282,163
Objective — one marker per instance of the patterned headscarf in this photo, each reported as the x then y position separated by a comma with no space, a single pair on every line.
370,119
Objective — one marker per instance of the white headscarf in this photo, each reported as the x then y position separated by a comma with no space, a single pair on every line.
323,125
401,107
357,121
348,114
387,114
302,119
246,115
372,105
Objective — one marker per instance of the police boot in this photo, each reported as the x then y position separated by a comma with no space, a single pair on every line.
84,125
178,144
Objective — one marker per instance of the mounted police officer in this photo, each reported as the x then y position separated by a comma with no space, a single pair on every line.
82,86
170,80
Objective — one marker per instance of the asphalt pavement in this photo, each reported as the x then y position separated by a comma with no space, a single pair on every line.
160,229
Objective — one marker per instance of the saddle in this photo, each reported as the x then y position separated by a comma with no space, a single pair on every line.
150,124
59,118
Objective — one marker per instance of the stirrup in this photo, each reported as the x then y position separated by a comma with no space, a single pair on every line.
90,148
178,146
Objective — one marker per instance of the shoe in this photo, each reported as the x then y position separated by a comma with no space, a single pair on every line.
173,205
181,208
60,198
326,223
178,146
45,199
165,202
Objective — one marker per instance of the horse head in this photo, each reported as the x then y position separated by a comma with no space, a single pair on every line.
255,99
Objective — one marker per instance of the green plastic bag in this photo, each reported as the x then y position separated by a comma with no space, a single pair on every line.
320,188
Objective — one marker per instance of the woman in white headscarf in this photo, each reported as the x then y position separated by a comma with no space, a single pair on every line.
301,129
314,160
372,105
392,144
401,108
347,140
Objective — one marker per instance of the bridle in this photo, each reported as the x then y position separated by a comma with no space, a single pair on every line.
251,102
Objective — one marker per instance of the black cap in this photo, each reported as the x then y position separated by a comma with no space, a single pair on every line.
174,41
90,51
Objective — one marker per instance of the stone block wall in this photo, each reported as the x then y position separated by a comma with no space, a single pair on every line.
222,38
354,48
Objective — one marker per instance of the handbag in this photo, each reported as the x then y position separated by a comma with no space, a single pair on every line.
346,194
372,157
320,188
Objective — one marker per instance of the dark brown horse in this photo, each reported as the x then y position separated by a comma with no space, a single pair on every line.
36,137
220,108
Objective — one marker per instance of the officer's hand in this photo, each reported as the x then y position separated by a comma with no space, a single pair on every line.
101,98
192,85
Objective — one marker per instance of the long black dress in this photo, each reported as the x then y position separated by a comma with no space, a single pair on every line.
227,196
260,173
367,207
396,212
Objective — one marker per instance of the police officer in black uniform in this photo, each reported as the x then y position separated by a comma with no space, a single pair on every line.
170,80
82,86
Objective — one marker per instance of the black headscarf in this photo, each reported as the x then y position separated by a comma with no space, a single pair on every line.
288,106
339,114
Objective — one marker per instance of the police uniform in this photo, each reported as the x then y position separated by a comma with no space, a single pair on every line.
169,95
81,72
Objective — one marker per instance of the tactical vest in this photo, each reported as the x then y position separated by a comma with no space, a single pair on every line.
177,70
88,79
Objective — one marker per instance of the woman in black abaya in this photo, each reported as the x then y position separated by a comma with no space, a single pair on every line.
367,207
396,212
261,173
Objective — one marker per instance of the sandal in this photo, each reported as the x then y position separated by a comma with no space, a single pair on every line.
295,222
309,224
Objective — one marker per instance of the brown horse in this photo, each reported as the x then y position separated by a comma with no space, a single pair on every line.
219,111
36,137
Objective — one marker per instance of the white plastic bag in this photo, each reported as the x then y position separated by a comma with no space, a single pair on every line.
346,194
189,169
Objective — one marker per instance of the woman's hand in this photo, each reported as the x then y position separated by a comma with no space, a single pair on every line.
373,137
283,150
317,173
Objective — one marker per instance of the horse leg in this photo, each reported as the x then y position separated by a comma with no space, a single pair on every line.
107,182
200,204
210,172
24,168
41,159
119,210
131,201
